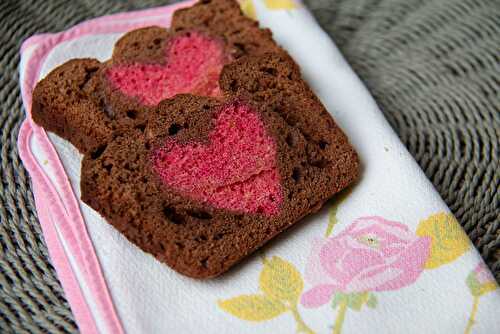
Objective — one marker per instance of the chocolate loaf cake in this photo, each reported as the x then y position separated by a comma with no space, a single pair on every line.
208,169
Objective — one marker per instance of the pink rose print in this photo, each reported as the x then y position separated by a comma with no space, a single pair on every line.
372,254
483,274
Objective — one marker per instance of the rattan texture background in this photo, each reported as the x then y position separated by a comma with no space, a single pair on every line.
432,66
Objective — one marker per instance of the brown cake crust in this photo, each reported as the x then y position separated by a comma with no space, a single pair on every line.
224,18
118,136
67,103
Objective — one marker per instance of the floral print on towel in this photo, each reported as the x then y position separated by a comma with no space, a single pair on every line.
480,282
372,254
347,270
280,285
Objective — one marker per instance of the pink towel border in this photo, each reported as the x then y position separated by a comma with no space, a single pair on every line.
63,207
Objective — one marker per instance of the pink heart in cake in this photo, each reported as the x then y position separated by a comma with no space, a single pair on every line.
193,62
236,169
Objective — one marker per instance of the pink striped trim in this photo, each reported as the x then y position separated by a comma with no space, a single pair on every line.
46,201
64,208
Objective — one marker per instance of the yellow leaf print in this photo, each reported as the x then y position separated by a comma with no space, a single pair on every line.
280,4
252,307
280,280
488,287
281,285
248,8
448,239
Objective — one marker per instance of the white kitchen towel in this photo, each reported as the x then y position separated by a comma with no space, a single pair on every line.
385,256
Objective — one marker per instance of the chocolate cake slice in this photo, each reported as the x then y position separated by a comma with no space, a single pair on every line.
232,150
148,65
208,181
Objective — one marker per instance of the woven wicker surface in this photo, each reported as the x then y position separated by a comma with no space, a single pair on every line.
433,67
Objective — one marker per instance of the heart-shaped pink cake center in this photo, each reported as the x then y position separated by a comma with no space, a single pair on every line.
192,65
235,170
